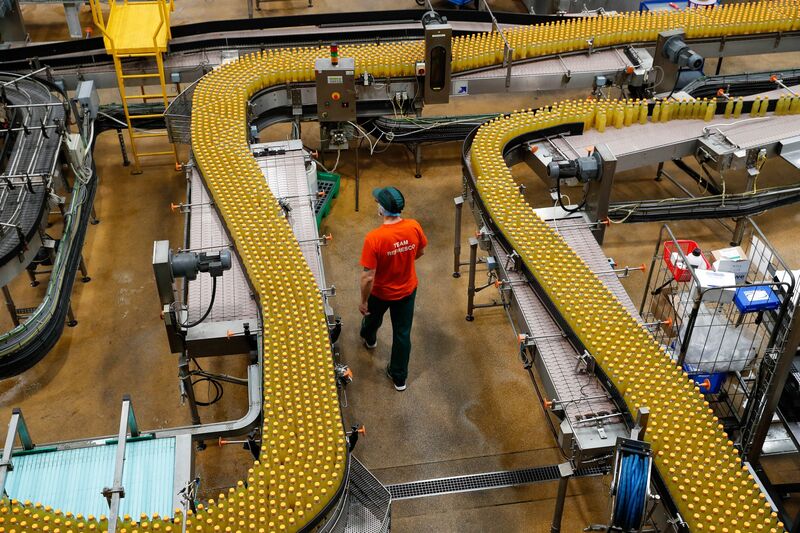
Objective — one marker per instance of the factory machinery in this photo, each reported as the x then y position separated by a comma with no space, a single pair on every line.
300,477
35,129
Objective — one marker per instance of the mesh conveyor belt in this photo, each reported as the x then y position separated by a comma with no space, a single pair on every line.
32,154
206,232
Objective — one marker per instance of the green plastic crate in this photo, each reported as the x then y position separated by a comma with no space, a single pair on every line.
327,183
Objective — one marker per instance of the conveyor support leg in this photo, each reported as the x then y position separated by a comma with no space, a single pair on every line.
565,471
12,309
473,262
125,161
459,203
84,272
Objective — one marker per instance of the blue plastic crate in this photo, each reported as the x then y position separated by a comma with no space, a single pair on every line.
715,379
755,298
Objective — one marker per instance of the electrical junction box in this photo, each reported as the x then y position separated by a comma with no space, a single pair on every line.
86,99
75,149
336,90
438,63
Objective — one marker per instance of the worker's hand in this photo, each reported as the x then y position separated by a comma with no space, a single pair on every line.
363,308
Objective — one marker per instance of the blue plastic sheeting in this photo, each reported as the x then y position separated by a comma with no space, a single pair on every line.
72,480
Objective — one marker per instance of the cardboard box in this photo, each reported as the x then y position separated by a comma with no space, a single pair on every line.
710,279
732,260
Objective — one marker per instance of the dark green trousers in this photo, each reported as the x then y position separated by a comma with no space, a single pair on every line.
402,314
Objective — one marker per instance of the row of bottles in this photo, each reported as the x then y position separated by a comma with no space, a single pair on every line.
702,470
304,450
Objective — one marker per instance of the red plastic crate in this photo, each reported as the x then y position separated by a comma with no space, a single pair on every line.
680,274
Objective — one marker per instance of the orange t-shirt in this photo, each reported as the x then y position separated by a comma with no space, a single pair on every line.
391,250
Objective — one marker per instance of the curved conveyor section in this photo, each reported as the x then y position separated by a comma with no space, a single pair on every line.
35,153
703,472
303,458
30,160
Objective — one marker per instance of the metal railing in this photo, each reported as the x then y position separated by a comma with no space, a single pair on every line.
728,350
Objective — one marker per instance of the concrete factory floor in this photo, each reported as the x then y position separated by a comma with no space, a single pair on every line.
470,407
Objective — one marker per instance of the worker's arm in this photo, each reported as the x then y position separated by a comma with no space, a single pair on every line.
423,243
367,279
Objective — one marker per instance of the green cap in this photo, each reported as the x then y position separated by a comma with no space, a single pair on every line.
391,200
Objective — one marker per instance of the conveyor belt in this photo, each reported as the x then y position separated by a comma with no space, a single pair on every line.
693,453
32,159
287,179
301,469
206,232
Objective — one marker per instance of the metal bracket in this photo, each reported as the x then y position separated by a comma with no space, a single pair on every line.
587,360
567,71
328,292
297,101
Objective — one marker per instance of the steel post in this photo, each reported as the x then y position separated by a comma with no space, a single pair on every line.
565,471
459,203
473,261
12,309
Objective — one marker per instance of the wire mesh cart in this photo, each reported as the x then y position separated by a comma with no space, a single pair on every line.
724,316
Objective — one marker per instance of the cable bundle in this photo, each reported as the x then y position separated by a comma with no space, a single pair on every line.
631,492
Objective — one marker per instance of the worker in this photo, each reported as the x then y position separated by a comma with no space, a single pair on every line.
389,280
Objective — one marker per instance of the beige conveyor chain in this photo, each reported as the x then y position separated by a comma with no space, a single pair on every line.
301,470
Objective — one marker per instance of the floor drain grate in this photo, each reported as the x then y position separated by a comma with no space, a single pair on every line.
491,480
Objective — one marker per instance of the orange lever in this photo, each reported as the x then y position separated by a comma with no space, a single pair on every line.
498,283
521,338
773,78
706,384
229,333
720,92
606,221
642,267
348,374
547,404
629,70
534,148
667,322
362,430
327,237
222,442
673,5
321,193
173,207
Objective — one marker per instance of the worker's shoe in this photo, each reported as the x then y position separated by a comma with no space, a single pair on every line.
399,385
369,346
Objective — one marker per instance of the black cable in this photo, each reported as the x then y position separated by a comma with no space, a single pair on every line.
677,80
218,389
210,305
561,202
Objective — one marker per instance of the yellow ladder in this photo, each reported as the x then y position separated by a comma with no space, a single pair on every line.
138,30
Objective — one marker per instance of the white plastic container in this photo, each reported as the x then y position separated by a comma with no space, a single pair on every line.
311,176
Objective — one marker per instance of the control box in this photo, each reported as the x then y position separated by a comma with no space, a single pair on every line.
86,99
438,59
336,89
